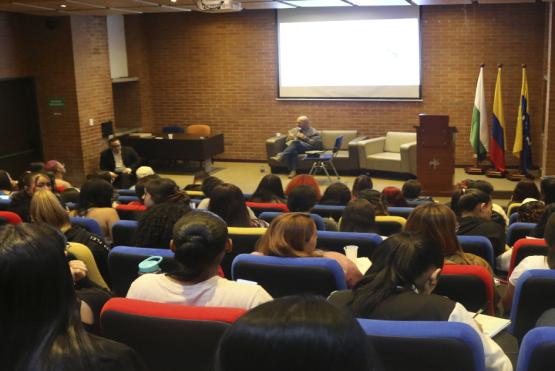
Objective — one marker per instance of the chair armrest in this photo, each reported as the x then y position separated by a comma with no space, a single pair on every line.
408,158
275,145
367,147
353,151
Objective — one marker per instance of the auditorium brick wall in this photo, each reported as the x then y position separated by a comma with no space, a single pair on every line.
220,69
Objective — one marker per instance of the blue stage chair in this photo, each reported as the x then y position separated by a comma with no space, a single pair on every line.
123,262
533,296
89,224
537,352
425,345
282,276
480,246
271,215
335,241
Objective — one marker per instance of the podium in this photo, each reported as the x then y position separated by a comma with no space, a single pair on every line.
435,154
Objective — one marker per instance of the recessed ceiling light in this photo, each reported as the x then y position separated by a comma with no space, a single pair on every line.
173,1
63,6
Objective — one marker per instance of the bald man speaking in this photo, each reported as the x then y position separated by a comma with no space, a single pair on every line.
299,140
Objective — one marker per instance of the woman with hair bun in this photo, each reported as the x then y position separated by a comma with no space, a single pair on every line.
199,242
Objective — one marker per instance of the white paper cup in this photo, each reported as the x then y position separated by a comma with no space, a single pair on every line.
352,252
170,136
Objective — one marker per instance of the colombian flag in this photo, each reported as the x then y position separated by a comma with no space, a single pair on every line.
497,141
522,147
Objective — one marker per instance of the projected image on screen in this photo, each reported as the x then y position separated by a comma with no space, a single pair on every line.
376,57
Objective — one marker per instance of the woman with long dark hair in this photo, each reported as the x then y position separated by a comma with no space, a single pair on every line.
269,190
162,190
29,183
399,285
326,338
95,202
39,313
228,201
358,216
200,241
337,194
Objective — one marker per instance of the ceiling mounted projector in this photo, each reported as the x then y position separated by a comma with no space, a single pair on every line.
219,6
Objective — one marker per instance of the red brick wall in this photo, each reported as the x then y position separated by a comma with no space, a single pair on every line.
220,69
93,84
50,48
13,54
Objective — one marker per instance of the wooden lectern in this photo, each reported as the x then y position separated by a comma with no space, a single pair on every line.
435,154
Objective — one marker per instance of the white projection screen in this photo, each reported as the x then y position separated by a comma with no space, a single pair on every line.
349,53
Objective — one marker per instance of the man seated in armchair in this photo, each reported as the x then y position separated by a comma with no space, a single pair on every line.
300,139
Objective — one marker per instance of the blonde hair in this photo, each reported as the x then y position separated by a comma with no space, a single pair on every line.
288,235
47,209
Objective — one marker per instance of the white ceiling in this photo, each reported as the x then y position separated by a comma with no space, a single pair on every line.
108,7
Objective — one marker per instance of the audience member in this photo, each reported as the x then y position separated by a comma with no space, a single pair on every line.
358,216
547,189
41,327
531,211
269,190
198,179
158,191
28,184
539,229
412,190
524,189
156,224
36,167
438,223
227,201
140,187
58,170
300,139
336,194
208,185
143,171
304,179
498,213
302,199
121,162
200,241
399,285
361,183
46,209
475,207
294,235
95,202
393,197
296,333
7,185
532,262
375,199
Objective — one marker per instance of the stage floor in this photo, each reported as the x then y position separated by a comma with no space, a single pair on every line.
246,176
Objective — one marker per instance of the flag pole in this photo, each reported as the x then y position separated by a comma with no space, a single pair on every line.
477,169
495,172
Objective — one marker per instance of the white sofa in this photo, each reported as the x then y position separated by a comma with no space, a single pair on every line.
396,152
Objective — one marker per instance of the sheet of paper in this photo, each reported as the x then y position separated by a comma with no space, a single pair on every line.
363,264
492,325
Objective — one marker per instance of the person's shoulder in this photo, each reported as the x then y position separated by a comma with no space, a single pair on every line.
534,262
112,355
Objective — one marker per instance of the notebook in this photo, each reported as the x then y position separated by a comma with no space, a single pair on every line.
492,325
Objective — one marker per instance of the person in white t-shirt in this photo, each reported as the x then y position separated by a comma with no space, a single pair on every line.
532,262
199,242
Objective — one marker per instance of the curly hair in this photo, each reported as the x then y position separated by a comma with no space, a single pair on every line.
156,224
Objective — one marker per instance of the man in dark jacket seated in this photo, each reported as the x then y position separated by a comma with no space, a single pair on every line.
121,162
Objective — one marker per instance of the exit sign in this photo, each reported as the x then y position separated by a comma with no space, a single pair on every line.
56,103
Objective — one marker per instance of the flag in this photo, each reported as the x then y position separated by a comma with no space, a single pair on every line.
522,148
479,134
497,142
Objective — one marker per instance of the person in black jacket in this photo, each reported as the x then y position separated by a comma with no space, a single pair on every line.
121,162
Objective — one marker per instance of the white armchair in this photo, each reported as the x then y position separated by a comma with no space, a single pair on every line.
396,152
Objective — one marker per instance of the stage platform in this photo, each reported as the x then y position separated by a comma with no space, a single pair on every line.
246,176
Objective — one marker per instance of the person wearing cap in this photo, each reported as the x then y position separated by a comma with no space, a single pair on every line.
58,169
